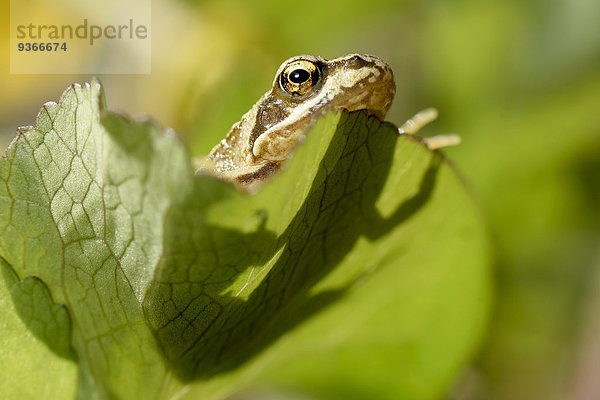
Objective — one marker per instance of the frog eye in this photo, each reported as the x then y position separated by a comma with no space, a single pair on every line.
299,77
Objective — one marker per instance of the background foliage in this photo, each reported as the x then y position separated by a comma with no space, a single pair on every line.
519,80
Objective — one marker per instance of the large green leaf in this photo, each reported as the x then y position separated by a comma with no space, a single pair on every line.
359,272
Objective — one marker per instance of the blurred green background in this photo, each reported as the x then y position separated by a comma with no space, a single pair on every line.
518,80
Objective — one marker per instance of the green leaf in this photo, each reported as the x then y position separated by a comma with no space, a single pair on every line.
30,369
48,321
361,271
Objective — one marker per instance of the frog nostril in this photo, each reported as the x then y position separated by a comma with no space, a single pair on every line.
356,61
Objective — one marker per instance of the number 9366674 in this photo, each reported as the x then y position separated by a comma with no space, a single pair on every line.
56,46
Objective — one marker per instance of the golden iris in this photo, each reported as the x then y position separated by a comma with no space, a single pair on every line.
299,77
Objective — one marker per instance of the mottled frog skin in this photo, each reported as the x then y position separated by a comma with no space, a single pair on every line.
305,87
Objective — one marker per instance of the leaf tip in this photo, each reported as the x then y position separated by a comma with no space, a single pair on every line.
96,84
97,94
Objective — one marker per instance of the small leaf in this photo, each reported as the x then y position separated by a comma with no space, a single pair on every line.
48,321
30,369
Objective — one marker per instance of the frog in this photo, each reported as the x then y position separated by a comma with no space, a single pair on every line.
305,87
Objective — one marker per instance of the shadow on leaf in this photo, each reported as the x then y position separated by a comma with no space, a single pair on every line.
48,321
203,331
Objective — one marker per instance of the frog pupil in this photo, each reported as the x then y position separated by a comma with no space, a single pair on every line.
299,76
